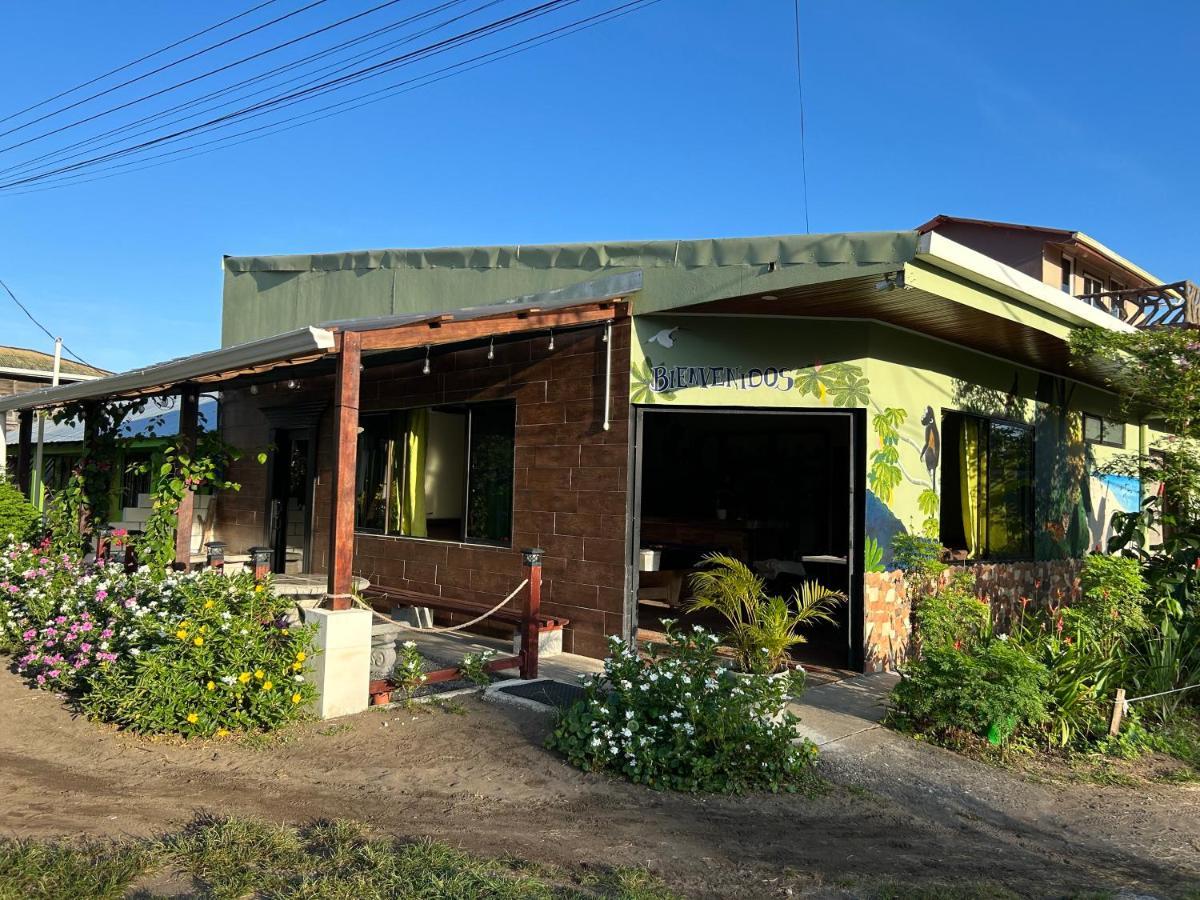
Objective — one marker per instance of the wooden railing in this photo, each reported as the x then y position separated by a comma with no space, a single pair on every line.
1157,306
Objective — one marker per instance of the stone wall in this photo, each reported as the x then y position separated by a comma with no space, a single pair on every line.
570,495
1005,587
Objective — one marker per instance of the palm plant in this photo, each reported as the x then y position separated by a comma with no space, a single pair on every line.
762,628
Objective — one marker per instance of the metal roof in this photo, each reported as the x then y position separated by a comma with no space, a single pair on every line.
308,344
161,419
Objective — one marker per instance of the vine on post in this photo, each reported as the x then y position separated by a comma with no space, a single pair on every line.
178,473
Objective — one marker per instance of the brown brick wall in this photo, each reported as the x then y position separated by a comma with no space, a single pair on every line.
570,493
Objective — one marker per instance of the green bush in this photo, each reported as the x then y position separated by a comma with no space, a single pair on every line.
1112,601
19,518
953,616
994,686
212,654
680,720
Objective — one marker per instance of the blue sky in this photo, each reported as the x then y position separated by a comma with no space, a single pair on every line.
679,121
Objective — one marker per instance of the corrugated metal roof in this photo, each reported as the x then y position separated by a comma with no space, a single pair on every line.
35,360
161,419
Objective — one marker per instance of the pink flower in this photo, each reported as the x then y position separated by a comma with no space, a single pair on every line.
41,679
54,673
101,595
85,647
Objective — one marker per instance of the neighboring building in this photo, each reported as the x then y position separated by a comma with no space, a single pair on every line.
797,401
144,437
27,370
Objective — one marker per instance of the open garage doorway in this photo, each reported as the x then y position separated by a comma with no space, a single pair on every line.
774,489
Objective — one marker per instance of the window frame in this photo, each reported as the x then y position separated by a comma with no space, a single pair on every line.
1031,489
1067,278
462,539
1103,420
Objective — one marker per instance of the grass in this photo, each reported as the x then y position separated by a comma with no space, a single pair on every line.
228,858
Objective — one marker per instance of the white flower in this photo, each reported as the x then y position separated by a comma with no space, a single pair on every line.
596,742
1002,637
625,732
134,651
227,679
409,645
654,676
628,714
300,678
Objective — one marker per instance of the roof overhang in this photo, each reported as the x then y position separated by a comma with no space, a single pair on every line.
950,293
589,302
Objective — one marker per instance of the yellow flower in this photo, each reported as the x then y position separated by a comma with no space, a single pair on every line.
296,667
198,641
209,604
222,732
300,657
203,628
258,589
244,677
212,685
185,624
192,718
181,634
295,698
259,673
283,631
267,685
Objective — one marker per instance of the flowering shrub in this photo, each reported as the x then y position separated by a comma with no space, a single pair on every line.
680,720
196,653
409,673
214,654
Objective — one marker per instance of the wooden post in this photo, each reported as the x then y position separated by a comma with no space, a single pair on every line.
530,625
87,512
24,451
345,441
189,408
1114,724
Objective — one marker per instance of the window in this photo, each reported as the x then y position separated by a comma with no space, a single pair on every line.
1068,274
441,472
1092,284
1098,430
987,487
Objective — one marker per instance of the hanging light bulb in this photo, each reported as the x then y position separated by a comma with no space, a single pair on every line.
551,339
604,335
492,349
425,368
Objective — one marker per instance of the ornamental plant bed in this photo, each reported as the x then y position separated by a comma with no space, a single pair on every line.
155,652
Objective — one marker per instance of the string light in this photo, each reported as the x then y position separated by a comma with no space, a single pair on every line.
551,339
425,368
492,349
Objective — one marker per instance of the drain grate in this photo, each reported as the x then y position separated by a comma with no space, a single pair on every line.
546,691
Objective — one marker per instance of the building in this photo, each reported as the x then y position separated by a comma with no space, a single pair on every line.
797,401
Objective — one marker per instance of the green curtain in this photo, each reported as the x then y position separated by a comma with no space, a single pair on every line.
972,472
412,508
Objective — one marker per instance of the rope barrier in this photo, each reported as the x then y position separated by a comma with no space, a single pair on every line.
1161,694
447,629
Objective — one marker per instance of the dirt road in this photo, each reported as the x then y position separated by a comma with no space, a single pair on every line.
480,779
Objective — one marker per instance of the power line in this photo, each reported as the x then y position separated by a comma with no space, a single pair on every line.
348,105
63,153
152,72
45,330
803,150
142,59
266,106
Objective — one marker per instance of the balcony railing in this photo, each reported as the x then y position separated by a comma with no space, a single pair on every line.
1152,307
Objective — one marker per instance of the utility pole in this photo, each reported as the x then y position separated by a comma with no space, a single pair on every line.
41,437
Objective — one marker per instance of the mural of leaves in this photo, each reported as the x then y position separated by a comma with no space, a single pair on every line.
930,505
854,391
885,473
814,381
872,555
642,378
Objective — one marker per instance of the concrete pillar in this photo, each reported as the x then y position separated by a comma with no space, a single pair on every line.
341,670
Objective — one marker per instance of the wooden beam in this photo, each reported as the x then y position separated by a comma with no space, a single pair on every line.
345,442
189,409
530,626
25,451
420,334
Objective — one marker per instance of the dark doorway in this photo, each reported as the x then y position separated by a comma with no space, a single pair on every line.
289,514
773,489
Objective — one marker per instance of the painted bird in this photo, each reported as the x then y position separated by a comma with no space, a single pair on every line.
664,338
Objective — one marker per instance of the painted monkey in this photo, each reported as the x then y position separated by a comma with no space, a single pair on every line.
931,453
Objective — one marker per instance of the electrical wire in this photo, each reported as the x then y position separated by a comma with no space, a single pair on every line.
312,116
294,97
803,149
139,60
44,329
63,153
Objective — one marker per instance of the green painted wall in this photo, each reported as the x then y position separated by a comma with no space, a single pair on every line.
906,383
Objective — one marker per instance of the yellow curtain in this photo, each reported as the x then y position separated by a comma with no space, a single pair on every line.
971,473
412,509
